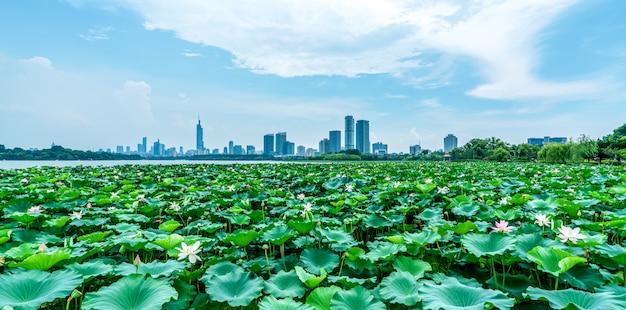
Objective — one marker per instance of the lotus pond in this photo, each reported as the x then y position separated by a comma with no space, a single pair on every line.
313,236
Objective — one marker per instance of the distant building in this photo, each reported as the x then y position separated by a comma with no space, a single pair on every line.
156,148
545,140
363,136
215,151
199,137
450,142
310,152
231,145
289,148
334,138
181,150
225,150
238,150
379,148
415,149
300,150
119,149
250,150
268,144
142,148
324,145
281,138
127,149
349,131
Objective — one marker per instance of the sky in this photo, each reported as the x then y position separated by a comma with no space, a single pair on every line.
90,74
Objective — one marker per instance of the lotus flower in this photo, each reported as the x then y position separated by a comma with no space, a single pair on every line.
571,234
502,226
76,215
35,209
542,220
189,251
349,187
301,196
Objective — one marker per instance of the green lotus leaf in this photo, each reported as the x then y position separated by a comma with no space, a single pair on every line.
357,298
453,295
22,251
350,282
302,226
34,236
220,269
94,237
91,269
618,291
462,228
339,239
235,288
25,218
527,242
466,209
239,219
415,267
425,187
131,244
169,242
562,299
321,297
584,277
241,237
278,235
549,204
401,288
155,269
25,290
615,252
316,259
487,244
354,253
284,284
169,226
422,238
554,261
515,285
56,222
124,228
131,292
44,260
138,218
385,251
5,235
310,280
271,303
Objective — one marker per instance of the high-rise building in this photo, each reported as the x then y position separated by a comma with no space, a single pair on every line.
268,144
156,148
301,150
379,148
324,145
334,138
238,150
545,140
215,151
449,143
225,150
199,137
142,148
281,138
349,130
415,149
363,136
119,149
250,150
231,145
288,148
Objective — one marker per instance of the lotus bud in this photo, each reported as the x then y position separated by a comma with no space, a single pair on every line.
2,260
42,247
137,261
75,294
265,247
319,223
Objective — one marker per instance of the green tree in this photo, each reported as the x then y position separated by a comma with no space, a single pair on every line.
527,151
587,147
559,153
501,154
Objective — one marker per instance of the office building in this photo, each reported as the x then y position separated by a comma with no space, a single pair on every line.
310,152
288,148
156,148
300,150
450,143
199,137
281,138
225,150
231,145
363,136
142,148
215,151
415,149
334,138
250,150
119,149
545,140
324,145
238,150
268,144
349,131
379,148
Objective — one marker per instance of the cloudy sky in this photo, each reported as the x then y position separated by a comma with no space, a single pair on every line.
91,74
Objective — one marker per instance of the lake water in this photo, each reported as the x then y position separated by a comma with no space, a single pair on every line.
20,164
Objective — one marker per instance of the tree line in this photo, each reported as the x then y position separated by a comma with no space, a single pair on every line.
58,152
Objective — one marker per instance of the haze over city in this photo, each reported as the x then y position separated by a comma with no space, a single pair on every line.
97,74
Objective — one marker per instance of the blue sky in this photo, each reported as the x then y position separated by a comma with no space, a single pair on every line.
96,74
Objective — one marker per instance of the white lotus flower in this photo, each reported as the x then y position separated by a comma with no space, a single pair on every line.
76,215
35,209
189,251
542,220
571,234
175,207
349,187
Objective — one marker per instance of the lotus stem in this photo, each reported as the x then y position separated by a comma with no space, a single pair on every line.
503,272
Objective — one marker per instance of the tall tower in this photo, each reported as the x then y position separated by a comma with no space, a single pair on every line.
268,144
363,136
334,138
199,137
449,143
281,138
349,132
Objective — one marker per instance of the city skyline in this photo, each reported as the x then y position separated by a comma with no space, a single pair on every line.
103,73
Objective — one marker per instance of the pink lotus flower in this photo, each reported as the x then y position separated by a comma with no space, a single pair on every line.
567,177
502,226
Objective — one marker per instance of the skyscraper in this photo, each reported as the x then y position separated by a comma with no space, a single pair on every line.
231,144
349,130
363,136
335,141
199,137
324,145
281,137
268,144
449,143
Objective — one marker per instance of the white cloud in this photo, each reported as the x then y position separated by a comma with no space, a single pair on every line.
188,53
97,33
39,61
349,38
429,103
